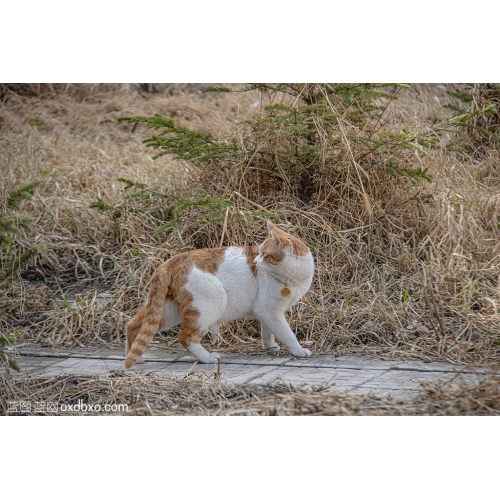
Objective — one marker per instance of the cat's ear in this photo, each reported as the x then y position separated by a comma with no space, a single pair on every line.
274,233
270,226
276,239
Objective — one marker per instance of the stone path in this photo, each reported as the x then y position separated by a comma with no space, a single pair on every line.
360,375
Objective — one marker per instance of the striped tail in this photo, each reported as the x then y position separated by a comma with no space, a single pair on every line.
151,319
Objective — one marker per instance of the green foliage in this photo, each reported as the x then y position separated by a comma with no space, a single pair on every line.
216,89
5,341
394,168
196,211
144,191
12,259
17,196
6,359
477,114
202,210
181,142
101,205
306,133
209,210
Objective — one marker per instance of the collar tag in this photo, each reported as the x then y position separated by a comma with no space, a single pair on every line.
285,291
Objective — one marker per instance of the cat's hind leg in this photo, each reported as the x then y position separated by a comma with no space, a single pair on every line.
267,336
170,317
195,325
190,337
201,354
206,306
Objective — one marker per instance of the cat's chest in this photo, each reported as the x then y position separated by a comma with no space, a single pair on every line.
278,294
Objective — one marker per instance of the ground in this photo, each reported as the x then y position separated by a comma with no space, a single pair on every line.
411,275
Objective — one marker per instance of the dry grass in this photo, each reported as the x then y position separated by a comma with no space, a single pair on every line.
413,272
156,395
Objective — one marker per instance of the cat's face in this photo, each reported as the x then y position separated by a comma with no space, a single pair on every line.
278,246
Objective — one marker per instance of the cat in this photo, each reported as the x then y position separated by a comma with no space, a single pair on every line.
202,288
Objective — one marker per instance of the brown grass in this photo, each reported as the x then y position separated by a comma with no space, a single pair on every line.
401,273
157,395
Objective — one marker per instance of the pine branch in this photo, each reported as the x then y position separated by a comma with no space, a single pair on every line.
23,193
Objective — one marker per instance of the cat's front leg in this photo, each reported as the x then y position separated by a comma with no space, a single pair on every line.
214,334
268,342
278,324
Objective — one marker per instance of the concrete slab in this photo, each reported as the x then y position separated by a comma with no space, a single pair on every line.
361,375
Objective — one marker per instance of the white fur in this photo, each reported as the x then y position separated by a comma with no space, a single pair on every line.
268,339
209,297
235,293
214,334
170,316
201,354
296,272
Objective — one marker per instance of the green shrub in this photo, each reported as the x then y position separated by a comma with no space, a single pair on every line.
13,259
477,115
307,133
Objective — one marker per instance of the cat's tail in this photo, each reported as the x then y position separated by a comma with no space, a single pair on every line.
151,314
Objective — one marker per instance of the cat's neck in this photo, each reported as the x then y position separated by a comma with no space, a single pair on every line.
298,271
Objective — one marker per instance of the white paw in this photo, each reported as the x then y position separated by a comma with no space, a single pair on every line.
302,353
140,360
214,356
274,347
201,354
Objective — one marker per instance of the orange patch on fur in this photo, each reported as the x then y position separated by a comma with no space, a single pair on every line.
134,326
272,252
207,259
299,248
168,282
189,329
251,253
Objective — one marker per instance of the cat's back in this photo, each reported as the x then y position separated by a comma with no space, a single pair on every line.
226,262
238,264
225,275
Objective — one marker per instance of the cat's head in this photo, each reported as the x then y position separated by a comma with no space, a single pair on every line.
278,246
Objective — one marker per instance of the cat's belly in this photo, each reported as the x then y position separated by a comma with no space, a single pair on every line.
240,300
240,285
234,312
170,316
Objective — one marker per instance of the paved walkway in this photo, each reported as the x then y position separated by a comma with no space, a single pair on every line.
360,375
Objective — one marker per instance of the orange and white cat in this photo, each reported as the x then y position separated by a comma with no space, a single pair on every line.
202,288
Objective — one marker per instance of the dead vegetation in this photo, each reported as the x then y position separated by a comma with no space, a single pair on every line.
126,393
403,269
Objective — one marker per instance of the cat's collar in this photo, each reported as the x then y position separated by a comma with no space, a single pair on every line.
286,290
